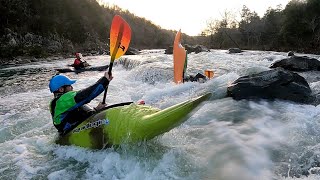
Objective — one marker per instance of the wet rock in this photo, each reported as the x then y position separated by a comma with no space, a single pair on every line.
234,50
273,84
169,50
290,53
196,49
298,63
197,78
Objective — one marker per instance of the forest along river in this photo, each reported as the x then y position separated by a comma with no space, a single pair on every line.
224,139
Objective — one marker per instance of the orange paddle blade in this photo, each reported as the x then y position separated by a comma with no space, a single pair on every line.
209,73
179,57
120,36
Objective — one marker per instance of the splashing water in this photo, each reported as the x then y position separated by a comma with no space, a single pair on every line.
224,139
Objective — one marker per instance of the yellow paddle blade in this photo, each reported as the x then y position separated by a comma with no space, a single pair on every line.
120,36
179,58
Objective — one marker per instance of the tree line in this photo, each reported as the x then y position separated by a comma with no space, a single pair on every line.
296,27
48,27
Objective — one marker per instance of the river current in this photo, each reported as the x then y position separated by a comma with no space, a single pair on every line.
224,139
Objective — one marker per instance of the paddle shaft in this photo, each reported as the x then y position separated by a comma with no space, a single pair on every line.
105,91
113,55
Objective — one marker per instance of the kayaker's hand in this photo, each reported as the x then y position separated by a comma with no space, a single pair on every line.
100,106
109,77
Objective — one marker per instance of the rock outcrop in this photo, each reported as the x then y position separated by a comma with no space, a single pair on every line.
234,50
273,84
196,49
298,63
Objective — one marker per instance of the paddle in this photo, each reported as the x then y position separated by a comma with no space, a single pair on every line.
120,36
179,58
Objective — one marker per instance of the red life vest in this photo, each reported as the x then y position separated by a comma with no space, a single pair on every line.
77,62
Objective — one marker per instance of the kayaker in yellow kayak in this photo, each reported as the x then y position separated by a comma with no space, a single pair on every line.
69,108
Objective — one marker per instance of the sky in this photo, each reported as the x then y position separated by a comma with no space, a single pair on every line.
191,16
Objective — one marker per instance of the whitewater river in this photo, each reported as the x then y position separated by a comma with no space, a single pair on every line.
223,140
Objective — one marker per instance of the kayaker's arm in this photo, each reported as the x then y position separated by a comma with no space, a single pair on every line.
89,93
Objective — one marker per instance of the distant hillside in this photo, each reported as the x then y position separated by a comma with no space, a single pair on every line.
47,27
43,28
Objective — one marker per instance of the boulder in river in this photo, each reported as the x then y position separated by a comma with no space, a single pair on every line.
298,63
273,84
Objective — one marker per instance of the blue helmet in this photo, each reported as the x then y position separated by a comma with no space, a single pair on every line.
58,81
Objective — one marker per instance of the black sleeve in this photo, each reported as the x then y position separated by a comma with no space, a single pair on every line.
92,91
